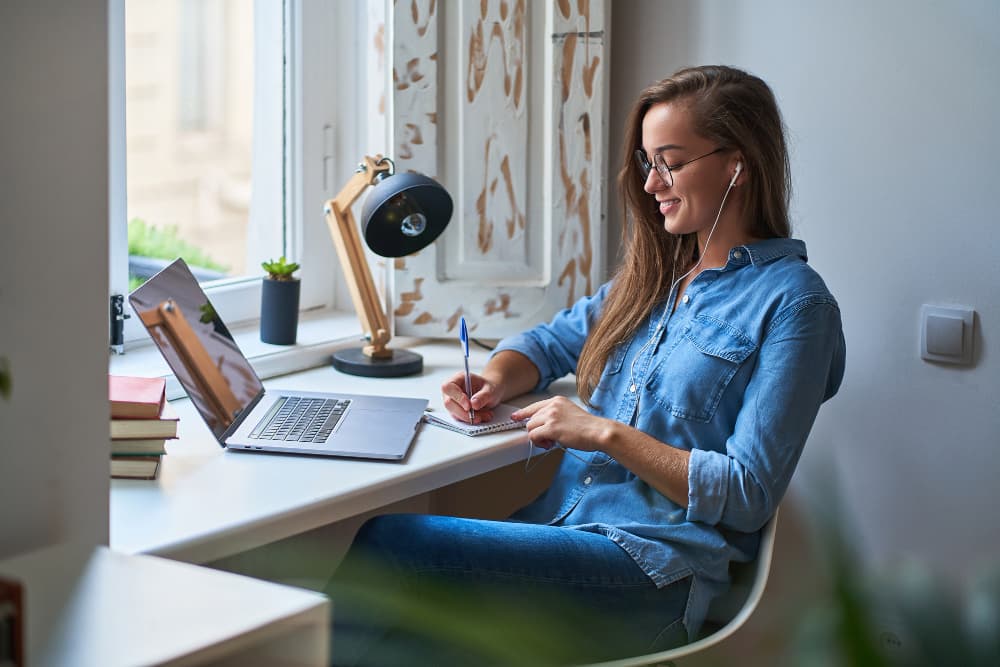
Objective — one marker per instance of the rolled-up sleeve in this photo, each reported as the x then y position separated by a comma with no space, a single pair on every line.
554,348
800,365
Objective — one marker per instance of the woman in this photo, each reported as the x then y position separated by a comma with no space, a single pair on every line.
702,364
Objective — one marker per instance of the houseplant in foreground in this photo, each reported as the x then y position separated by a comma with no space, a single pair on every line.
279,302
5,381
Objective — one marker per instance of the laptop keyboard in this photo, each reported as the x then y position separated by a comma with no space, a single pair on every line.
301,419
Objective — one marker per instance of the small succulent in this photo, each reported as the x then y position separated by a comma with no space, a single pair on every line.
280,270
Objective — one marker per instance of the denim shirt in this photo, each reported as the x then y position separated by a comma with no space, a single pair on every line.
735,375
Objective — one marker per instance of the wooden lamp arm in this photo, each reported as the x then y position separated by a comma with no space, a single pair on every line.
344,231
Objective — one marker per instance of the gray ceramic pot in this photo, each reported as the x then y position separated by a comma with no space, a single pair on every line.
279,311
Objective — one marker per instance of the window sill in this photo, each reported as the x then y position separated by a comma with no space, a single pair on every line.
320,333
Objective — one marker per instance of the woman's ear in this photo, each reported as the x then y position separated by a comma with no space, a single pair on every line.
737,170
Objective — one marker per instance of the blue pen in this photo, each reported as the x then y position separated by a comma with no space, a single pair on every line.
463,335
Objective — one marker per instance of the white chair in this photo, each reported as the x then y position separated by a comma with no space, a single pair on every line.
726,614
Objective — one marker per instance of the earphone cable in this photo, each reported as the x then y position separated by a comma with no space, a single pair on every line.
673,284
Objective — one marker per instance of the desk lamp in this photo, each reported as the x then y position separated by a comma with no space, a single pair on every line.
404,213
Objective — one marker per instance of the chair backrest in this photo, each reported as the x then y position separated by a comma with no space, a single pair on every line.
728,613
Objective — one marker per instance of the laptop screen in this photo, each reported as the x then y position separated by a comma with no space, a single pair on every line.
197,346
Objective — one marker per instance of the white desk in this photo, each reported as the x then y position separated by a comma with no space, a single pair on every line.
92,606
208,503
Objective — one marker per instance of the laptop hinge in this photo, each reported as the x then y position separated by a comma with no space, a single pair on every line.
240,417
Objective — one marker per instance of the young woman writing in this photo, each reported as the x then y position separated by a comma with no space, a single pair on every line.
702,365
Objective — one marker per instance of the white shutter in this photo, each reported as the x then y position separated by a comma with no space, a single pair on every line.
505,103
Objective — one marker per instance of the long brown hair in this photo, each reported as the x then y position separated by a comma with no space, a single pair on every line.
736,110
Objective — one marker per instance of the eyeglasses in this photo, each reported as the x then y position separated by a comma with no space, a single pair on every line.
665,171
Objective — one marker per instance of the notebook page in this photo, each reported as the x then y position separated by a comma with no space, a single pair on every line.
501,421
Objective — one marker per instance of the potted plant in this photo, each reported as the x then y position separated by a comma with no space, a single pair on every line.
279,302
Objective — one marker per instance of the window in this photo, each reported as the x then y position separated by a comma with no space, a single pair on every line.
192,124
231,122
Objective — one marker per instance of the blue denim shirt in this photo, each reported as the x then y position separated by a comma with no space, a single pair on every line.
735,375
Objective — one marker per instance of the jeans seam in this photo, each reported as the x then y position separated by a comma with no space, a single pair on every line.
656,640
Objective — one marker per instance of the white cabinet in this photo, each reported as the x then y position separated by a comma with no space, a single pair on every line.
93,606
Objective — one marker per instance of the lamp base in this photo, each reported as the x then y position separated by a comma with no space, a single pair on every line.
354,362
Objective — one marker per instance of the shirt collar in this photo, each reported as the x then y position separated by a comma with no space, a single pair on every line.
767,250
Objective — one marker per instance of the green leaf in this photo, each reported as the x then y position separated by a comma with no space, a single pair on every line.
280,270
5,379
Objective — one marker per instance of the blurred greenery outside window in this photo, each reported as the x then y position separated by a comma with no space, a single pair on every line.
152,248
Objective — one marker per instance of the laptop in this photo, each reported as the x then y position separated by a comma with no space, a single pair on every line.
231,399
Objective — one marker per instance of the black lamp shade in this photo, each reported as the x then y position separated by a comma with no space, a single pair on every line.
404,213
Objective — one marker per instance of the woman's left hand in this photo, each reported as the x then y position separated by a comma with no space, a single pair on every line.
559,419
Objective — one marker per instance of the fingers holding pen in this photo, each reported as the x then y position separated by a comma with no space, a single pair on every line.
456,410
458,402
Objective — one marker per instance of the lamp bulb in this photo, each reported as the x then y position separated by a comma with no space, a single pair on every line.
413,224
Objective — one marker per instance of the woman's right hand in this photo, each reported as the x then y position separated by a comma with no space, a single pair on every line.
485,396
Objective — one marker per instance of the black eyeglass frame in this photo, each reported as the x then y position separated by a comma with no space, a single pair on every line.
665,170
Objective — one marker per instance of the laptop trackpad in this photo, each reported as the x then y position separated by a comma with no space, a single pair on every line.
374,429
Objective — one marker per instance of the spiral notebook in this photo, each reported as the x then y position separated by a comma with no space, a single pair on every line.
501,421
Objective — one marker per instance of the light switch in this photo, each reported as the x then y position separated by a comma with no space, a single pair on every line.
946,334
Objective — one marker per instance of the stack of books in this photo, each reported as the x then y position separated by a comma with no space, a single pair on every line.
141,423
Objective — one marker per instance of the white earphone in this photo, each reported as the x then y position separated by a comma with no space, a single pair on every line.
736,174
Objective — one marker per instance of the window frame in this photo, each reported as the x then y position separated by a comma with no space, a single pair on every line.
321,148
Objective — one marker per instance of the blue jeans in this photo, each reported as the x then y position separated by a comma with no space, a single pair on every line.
419,589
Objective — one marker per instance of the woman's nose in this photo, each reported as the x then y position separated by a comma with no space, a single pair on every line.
653,182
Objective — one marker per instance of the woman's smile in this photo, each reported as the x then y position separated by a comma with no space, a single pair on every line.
668,206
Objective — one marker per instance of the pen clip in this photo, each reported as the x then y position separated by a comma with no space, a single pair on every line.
463,335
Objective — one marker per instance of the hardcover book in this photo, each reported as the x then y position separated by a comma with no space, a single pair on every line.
135,446
134,467
136,397
164,426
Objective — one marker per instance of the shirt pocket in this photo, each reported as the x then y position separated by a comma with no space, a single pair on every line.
693,377
616,359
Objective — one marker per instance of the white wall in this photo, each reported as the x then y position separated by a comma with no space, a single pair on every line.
892,114
891,108
53,272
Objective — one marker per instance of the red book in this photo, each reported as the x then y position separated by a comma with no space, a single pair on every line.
12,621
136,397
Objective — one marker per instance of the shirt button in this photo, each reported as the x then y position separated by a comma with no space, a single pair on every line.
737,254
587,480
686,299
632,389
